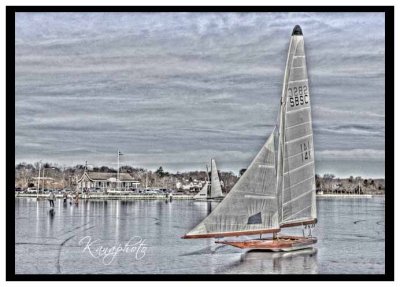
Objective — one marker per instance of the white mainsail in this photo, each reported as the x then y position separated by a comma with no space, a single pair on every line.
274,193
216,190
296,170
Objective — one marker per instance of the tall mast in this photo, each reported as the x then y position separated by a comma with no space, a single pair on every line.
208,183
43,178
118,172
38,183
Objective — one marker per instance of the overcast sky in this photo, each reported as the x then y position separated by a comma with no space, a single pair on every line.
174,89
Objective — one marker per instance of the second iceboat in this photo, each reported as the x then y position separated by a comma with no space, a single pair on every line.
212,189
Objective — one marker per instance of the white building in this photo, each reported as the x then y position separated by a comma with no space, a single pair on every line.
106,180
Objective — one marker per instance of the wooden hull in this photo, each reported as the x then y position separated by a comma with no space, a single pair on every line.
283,243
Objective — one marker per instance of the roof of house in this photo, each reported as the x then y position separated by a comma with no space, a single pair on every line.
92,175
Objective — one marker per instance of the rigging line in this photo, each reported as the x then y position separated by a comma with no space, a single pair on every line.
298,167
299,182
298,197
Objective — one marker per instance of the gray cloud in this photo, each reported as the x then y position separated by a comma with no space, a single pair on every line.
174,89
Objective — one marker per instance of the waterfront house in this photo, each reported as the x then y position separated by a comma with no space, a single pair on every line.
106,180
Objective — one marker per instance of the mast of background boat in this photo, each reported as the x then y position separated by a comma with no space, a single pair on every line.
211,177
146,178
43,178
118,173
208,183
38,181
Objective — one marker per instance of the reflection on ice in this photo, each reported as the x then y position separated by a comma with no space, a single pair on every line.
266,262
47,244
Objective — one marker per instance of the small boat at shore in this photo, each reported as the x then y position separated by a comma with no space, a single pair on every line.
212,190
278,188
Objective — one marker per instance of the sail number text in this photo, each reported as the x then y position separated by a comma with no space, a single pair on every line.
298,96
305,151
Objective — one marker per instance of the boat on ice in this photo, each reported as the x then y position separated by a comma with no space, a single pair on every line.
212,189
277,190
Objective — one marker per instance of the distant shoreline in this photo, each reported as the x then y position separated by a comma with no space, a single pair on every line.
174,197
109,196
54,177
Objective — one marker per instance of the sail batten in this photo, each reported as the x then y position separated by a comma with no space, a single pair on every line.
295,126
295,155
299,138
294,169
300,182
298,197
298,110
261,196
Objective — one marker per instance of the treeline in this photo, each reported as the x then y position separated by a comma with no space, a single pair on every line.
59,177
328,183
